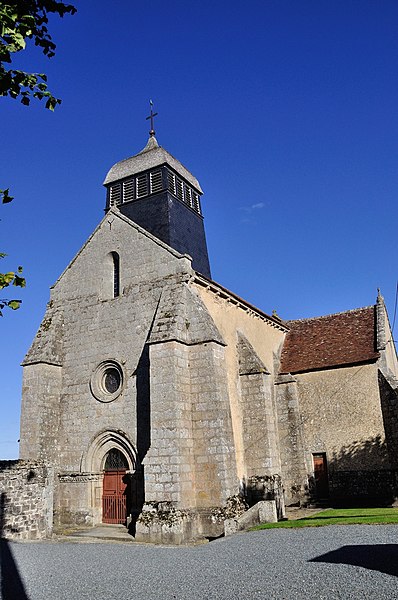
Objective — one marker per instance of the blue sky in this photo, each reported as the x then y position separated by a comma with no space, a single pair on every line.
286,112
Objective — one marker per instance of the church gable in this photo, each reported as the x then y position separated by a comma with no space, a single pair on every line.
140,257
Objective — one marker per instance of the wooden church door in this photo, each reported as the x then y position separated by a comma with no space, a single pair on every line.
321,475
114,488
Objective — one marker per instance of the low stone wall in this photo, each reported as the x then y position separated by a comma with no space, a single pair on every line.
377,488
265,487
164,523
26,499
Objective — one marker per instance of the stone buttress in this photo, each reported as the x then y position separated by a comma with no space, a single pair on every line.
191,466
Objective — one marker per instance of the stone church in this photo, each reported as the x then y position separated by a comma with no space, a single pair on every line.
163,400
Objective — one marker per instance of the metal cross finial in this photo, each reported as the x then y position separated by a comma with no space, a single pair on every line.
151,117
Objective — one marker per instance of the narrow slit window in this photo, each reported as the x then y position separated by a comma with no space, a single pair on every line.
116,274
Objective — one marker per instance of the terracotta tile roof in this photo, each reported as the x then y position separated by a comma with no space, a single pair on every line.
331,341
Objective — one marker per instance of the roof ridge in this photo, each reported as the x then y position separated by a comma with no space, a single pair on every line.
141,152
344,312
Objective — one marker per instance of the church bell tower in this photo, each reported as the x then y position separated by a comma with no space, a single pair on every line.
157,192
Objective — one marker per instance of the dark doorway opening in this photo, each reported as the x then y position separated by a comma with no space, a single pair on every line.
321,475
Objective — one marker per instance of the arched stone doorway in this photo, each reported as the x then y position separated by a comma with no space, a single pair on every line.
116,486
107,450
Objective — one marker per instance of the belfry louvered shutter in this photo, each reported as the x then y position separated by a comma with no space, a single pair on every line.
195,202
171,182
142,185
128,190
115,195
156,184
187,195
179,186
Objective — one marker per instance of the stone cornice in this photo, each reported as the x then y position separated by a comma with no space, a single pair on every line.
228,296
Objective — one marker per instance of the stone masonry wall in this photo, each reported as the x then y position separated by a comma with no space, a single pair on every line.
191,460
372,488
389,405
26,500
342,417
293,467
260,435
258,423
169,469
40,412
214,452
96,327
264,338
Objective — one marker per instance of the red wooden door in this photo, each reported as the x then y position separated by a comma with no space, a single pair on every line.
321,475
114,497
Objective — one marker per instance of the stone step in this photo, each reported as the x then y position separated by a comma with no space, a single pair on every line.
117,533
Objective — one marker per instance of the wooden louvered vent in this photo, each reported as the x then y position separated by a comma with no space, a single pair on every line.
156,183
179,185
115,195
128,190
183,191
142,186
135,188
187,195
195,202
171,182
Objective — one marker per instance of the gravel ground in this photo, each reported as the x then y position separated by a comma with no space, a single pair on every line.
358,561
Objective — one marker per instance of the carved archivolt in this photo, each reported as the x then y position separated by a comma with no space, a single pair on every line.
94,460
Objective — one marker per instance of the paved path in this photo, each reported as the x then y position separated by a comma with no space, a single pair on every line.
352,562
110,533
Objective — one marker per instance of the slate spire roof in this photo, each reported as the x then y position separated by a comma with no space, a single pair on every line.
150,157
335,340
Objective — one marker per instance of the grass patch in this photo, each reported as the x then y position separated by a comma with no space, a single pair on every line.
339,516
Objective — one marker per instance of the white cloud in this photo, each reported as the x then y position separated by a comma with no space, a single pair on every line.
252,207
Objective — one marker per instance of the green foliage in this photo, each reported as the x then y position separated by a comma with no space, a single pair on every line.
343,516
5,196
10,279
20,21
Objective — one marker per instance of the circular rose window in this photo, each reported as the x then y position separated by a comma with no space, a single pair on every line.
112,380
107,381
